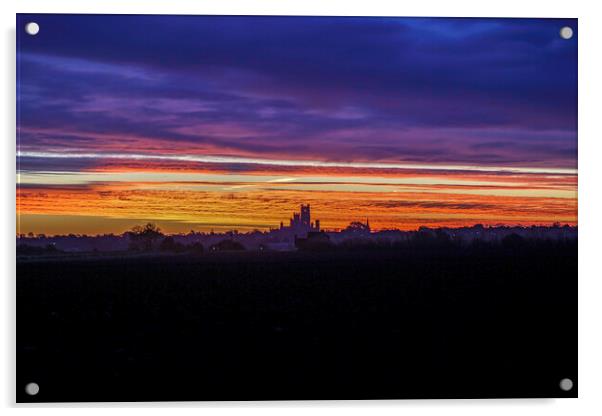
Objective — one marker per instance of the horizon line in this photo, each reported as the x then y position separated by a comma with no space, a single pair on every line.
336,230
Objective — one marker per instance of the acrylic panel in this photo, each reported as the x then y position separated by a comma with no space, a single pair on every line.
273,207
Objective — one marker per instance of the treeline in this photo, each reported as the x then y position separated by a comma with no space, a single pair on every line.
440,240
150,238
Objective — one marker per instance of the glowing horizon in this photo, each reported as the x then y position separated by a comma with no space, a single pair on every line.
207,199
408,121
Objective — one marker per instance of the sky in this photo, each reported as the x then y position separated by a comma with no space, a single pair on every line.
231,122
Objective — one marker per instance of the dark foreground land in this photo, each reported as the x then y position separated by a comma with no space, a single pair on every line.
423,323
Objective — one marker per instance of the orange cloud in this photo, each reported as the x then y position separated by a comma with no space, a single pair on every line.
405,200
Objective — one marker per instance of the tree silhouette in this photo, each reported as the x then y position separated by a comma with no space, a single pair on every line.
143,238
357,227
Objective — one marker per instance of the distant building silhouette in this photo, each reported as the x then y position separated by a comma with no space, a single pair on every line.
300,224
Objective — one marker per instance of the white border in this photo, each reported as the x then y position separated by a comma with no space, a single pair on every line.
590,210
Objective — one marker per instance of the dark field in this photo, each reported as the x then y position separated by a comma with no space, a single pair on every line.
437,323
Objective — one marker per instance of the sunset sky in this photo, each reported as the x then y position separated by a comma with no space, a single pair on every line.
222,123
